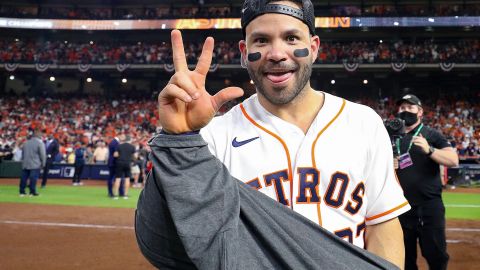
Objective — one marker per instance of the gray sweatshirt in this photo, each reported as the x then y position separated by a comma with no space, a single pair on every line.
193,214
33,154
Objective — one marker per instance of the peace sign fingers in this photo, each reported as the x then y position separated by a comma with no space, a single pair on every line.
179,58
205,59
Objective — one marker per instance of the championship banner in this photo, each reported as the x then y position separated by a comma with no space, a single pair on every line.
234,23
41,67
351,67
398,67
84,67
447,66
11,66
122,67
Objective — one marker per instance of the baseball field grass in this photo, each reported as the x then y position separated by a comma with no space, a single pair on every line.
70,195
458,205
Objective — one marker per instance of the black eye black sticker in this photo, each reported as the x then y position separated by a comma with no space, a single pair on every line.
301,52
252,57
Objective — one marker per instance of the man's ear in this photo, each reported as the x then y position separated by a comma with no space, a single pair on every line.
242,46
314,45
420,111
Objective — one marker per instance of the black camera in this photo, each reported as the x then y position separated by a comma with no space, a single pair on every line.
396,129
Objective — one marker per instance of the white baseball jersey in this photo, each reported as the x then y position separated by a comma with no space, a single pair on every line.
339,175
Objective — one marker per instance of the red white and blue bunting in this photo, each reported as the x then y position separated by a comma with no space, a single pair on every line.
398,67
169,67
122,67
84,67
351,67
447,66
214,67
41,67
11,66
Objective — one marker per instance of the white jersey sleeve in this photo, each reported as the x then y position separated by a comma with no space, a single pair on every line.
386,200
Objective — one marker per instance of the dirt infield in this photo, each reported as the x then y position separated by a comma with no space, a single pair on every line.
67,237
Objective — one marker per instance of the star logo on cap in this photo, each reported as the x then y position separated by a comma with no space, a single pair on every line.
407,96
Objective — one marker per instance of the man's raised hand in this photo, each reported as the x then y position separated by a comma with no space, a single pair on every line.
184,104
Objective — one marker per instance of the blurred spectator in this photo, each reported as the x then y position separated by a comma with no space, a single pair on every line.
80,160
100,155
125,154
70,156
226,52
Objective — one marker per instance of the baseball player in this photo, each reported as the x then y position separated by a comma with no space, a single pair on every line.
324,157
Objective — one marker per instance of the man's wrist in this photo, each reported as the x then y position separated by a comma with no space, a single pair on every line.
431,149
194,132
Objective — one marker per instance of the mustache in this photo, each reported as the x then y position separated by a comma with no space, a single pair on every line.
269,66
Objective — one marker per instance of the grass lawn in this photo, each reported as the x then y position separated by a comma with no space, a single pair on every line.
458,205
462,205
70,195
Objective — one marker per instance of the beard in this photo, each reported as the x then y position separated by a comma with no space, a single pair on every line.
284,94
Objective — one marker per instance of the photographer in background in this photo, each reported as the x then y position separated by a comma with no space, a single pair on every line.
421,152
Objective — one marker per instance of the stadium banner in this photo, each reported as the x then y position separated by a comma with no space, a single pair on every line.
90,171
234,23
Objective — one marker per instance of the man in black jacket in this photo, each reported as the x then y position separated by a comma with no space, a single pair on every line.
52,148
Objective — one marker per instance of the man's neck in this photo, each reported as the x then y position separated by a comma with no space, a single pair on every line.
300,112
412,127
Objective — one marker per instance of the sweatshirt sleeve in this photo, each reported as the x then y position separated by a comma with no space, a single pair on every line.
191,185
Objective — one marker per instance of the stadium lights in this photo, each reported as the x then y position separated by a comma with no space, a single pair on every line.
381,41
365,81
12,77
52,79
89,79
124,80
395,23
17,40
332,81
251,81
65,42
91,42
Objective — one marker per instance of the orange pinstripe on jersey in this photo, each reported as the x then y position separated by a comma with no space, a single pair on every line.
290,174
314,164
387,212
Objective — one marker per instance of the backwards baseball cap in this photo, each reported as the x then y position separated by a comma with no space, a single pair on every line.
412,99
254,8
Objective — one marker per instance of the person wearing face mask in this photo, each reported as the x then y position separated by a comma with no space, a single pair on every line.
421,152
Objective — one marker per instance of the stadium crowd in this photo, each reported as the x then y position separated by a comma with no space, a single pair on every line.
226,52
227,11
94,122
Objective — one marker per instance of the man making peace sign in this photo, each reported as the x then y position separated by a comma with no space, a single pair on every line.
327,159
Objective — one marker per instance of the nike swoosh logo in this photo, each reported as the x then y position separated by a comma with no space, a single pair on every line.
236,143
